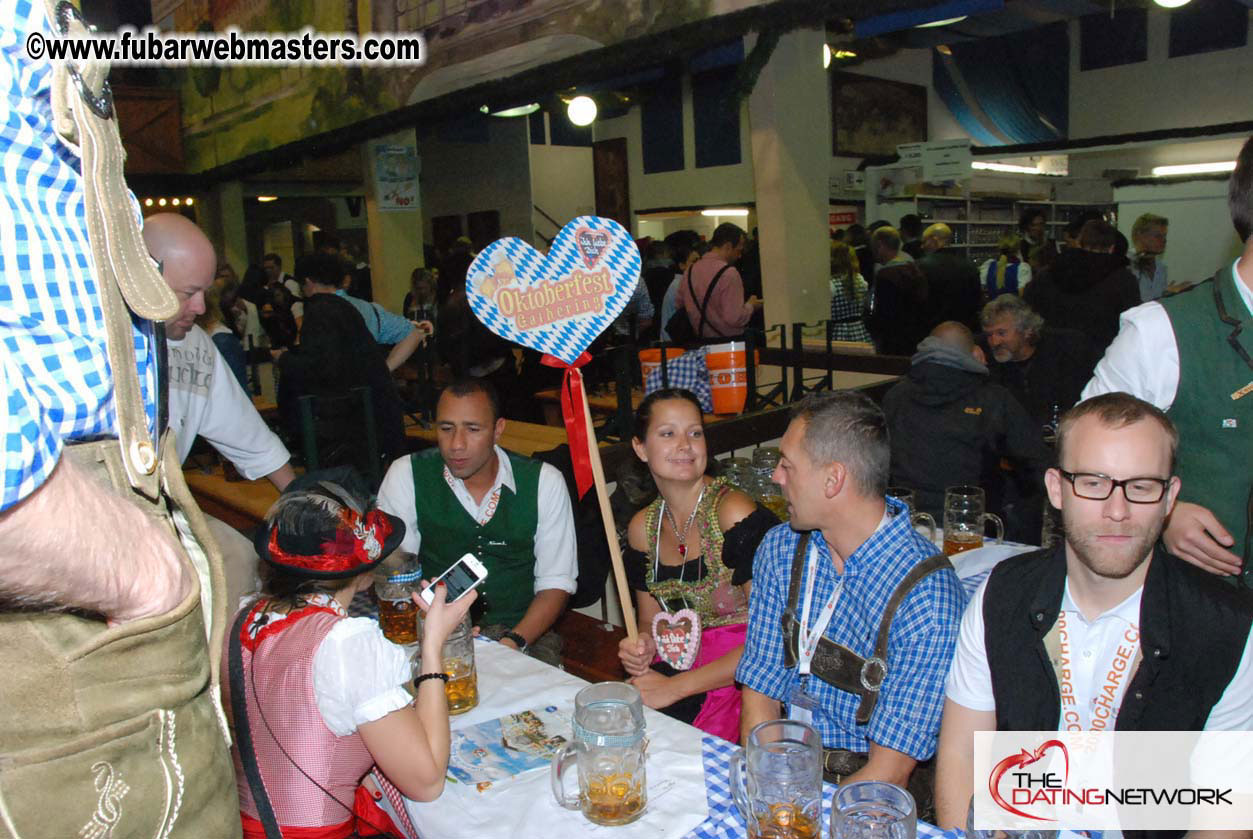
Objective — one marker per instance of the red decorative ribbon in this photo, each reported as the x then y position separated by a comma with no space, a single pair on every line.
573,400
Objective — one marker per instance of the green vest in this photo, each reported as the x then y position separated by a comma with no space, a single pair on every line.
506,544
1215,431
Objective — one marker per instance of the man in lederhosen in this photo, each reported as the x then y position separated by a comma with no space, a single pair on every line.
853,617
111,726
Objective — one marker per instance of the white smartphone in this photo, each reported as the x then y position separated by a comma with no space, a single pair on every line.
464,575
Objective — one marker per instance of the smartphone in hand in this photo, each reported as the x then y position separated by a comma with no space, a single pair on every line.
465,574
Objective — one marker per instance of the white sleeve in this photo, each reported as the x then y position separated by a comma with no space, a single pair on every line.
396,497
1024,276
969,678
556,552
1143,360
232,425
357,675
297,307
1234,711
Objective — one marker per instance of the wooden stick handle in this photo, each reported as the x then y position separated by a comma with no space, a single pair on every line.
625,597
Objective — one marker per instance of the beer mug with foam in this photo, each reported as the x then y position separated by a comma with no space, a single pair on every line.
608,748
964,518
777,781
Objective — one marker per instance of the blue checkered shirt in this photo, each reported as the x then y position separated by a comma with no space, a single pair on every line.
55,371
920,642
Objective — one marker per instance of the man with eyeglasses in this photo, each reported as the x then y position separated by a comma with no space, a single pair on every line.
1106,631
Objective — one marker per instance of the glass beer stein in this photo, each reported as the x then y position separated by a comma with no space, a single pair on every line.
873,810
777,781
395,580
906,497
608,747
964,518
462,687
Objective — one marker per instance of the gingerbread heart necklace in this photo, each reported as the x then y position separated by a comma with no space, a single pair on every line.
677,634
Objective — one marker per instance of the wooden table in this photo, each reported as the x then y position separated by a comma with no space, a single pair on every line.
524,438
241,504
266,407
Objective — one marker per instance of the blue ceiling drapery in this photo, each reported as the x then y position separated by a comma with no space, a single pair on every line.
1019,84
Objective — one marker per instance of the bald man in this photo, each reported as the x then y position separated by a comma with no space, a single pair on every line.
949,424
205,399
954,292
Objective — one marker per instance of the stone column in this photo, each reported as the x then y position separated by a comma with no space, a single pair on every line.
222,219
789,113
395,236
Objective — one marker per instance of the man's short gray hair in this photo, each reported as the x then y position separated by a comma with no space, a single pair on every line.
846,426
1025,318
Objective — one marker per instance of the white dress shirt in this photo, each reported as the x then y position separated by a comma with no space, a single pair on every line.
556,552
1144,359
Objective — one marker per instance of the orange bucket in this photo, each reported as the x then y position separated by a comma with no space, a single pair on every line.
650,360
728,376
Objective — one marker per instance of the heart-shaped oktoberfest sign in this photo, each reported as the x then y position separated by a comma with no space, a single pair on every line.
558,303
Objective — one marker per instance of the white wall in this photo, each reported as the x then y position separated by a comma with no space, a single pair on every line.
562,185
461,178
1161,92
1200,239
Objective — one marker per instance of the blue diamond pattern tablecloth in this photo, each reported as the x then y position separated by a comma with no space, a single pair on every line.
725,821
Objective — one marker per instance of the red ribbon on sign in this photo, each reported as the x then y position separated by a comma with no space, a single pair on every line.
573,400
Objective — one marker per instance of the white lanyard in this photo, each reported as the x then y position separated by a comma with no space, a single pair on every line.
1099,710
807,638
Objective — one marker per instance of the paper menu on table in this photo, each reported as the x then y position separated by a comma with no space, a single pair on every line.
495,750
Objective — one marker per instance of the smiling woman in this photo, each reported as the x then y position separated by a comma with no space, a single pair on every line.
689,560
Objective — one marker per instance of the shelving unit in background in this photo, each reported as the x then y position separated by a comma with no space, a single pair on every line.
984,207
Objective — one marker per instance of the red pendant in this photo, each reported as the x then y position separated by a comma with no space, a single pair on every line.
682,549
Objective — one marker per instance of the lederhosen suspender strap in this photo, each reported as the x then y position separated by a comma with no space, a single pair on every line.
704,306
836,664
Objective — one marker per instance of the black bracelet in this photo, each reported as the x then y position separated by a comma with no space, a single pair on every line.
515,638
417,683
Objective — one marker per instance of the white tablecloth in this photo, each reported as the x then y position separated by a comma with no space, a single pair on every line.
973,567
523,806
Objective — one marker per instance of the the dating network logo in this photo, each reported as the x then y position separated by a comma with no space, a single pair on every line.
1026,788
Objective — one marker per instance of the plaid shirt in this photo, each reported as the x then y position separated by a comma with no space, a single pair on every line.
920,644
688,371
55,373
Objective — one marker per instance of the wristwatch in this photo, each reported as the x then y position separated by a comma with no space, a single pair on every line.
515,638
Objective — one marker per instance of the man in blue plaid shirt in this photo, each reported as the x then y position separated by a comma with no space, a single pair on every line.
860,548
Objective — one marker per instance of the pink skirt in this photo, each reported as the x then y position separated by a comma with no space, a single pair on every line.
720,713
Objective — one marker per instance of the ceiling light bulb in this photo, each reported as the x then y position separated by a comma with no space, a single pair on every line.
725,211
187,201
826,56
176,202
1005,167
160,202
582,110
518,111
147,202
265,199
845,54
1171,4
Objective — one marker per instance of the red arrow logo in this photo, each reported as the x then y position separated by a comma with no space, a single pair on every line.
1026,758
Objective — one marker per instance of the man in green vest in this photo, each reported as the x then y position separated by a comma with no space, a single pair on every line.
513,513
1192,356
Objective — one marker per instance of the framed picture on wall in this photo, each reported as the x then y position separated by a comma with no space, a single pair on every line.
870,116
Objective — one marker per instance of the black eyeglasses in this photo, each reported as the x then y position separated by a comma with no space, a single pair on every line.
1096,487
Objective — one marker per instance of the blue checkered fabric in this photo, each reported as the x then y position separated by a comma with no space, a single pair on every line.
725,820
920,643
55,370
687,371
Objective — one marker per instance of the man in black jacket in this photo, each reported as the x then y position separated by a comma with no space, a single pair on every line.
1087,288
1044,368
953,280
949,425
1159,645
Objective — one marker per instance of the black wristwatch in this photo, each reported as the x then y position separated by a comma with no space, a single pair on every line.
515,638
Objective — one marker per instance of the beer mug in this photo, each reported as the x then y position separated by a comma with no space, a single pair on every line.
608,747
963,520
873,810
395,580
992,833
462,687
777,781
906,497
